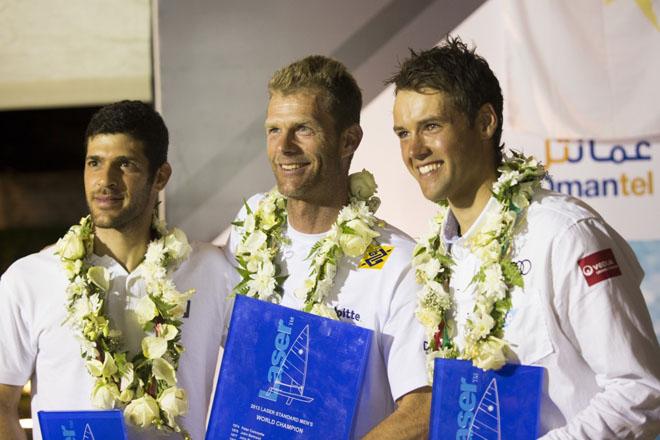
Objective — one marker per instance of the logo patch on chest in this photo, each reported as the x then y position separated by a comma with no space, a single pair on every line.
375,257
599,266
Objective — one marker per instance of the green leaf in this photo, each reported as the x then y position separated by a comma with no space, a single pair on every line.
511,273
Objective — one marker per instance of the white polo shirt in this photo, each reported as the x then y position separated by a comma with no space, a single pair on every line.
35,345
382,300
581,316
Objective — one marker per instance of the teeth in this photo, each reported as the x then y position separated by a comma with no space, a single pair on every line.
428,168
291,166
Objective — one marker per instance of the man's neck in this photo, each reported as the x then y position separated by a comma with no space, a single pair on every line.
468,210
126,246
310,218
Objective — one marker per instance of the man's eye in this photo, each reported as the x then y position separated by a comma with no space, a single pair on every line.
304,129
92,163
272,130
401,134
431,126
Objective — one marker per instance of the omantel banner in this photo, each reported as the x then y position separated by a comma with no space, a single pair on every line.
618,179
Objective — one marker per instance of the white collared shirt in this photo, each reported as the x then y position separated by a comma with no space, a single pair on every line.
596,342
382,300
35,345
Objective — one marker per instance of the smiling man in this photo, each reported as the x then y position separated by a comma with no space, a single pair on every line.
316,245
513,272
115,289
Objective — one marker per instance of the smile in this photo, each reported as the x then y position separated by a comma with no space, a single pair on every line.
292,166
428,168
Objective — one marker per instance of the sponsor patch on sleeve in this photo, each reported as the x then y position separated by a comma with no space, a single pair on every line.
599,266
375,257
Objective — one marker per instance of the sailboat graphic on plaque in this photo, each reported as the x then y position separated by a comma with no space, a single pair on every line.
471,403
291,377
88,434
486,422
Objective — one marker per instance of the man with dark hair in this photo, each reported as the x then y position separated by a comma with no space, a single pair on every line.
514,272
121,312
318,228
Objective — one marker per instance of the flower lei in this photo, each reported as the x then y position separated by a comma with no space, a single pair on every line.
146,384
261,235
519,178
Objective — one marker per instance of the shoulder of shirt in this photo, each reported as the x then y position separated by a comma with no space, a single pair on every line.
207,253
44,262
392,236
559,211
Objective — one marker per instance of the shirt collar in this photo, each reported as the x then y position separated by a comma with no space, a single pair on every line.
450,234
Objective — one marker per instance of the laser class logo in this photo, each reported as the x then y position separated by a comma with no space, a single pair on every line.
482,422
287,373
599,266
570,152
70,433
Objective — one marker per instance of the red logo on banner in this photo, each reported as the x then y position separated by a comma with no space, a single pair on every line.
599,266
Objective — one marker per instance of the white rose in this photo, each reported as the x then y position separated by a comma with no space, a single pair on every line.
355,243
145,310
100,277
164,371
153,347
174,402
324,311
142,412
428,318
362,184
71,246
490,355
105,395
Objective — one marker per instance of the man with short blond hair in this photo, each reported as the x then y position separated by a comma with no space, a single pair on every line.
312,131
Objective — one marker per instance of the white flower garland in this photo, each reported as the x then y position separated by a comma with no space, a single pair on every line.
519,178
146,384
261,235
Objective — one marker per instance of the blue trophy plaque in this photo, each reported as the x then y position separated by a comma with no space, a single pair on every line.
82,425
287,374
470,403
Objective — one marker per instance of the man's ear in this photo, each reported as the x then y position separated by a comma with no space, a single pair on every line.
487,121
351,139
162,176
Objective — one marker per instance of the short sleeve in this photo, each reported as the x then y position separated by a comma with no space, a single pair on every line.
17,348
403,339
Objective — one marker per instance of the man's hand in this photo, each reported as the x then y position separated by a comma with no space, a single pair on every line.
409,421
10,428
